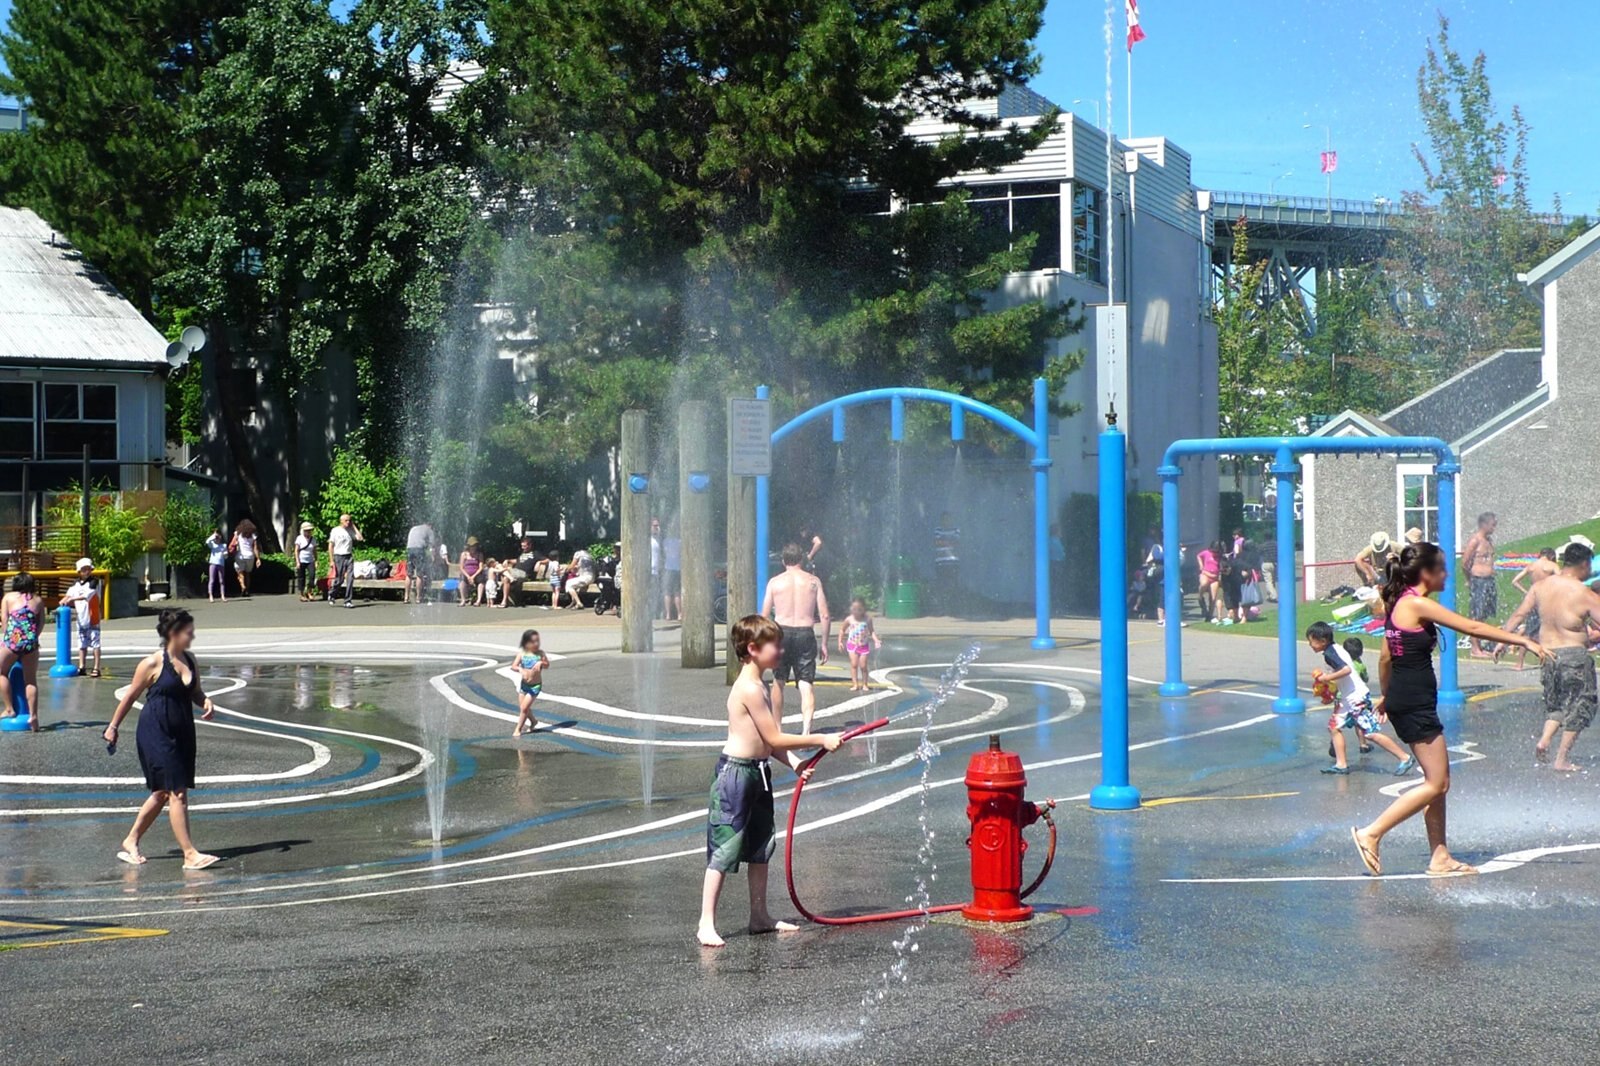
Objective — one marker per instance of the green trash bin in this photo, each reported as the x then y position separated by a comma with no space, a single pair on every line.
904,601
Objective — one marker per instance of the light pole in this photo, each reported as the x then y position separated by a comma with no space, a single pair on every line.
1272,185
1096,104
1327,171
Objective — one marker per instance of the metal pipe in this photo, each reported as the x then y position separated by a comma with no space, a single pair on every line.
1041,516
1450,694
958,423
838,425
1288,701
1171,583
1113,793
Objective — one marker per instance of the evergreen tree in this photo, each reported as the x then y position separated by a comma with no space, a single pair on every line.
697,197
107,162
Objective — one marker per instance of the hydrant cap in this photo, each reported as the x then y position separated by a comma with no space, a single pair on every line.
995,769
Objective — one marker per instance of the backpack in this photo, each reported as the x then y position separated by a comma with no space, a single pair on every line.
382,570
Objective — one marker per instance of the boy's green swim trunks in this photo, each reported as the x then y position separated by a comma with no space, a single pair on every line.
739,825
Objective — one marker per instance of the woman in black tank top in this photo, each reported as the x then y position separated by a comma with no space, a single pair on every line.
1410,697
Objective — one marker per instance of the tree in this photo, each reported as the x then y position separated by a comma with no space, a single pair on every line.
1261,379
334,206
696,197
1469,230
111,84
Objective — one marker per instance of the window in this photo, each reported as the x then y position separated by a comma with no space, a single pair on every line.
1015,211
78,415
1088,231
1419,502
16,419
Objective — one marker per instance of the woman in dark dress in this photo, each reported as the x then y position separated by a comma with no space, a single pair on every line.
169,681
1410,698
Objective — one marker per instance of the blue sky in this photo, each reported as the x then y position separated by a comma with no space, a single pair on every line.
1233,81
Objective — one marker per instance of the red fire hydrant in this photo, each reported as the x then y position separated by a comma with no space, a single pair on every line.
998,813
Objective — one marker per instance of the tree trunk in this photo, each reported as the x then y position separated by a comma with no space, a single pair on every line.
235,386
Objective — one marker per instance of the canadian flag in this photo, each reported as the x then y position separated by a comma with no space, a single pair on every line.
1135,31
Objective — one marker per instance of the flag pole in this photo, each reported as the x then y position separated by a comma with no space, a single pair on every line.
1130,92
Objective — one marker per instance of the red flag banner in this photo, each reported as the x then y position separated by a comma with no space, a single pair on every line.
1135,32
1330,162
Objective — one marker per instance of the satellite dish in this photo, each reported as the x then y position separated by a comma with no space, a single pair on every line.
177,354
193,337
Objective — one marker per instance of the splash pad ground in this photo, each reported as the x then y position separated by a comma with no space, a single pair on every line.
1227,921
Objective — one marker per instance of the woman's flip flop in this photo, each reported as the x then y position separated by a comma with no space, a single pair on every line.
132,858
205,860
1369,858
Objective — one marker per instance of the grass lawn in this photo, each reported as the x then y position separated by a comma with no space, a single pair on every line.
1314,611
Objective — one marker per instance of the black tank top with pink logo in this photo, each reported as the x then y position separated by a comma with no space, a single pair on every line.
1413,686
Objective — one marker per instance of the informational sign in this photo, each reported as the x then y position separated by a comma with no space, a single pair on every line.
749,438
1111,362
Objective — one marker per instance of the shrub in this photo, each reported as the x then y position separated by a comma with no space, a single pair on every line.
116,533
188,519
374,497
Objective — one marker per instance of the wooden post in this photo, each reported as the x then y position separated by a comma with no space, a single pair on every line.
698,647
742,594
638,596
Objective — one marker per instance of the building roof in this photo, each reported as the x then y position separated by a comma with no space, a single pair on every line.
1570,256
56,309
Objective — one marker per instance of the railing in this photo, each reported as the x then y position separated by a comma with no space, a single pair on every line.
30,547
1301,203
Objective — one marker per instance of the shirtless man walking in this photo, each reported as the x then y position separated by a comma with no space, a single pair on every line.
1566,608
1477,559
1543,566
796,602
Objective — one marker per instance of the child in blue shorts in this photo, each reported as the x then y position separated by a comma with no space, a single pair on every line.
1353,707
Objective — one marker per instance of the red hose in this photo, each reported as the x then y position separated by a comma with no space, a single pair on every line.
882,916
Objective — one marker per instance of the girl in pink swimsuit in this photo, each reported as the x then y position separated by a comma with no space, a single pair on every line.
860,640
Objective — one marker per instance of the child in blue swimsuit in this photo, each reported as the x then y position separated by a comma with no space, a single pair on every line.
530,667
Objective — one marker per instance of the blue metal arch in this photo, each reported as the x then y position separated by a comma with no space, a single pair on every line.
1037,437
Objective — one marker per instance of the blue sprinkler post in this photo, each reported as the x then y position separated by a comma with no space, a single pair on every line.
1172,583
1042,640
1114,793
1288,701
1445,471
21,714
65,624
763,489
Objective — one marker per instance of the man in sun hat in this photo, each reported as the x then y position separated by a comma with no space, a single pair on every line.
83,596
1373,559
1413,535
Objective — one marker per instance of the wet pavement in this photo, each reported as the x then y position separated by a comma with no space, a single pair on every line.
1228,921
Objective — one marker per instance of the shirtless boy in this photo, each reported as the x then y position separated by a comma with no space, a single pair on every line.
1542,567
739,826
1566,607
795,600
1477,559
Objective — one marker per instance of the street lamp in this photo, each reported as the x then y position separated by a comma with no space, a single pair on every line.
1096,104
1327,150
1272,185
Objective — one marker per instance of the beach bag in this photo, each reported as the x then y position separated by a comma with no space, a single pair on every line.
365,570
1249,594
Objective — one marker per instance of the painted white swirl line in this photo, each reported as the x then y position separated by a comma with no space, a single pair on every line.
1499,864
1467,751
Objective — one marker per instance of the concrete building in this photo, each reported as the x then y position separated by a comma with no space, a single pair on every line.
79,366
1522,422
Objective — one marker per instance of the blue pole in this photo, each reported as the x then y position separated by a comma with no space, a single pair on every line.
1041,516
838,425
1288,701
958,423
65,623
1113,793
897,418
763,497
1172,583
1450,694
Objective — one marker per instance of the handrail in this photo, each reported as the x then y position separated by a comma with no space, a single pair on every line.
947,399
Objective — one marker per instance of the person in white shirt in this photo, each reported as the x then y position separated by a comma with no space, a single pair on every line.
83,596
582,577
342,547
243,547
305,562
217,567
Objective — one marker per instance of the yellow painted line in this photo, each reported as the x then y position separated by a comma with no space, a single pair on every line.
1203,799
1493,694
97,933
